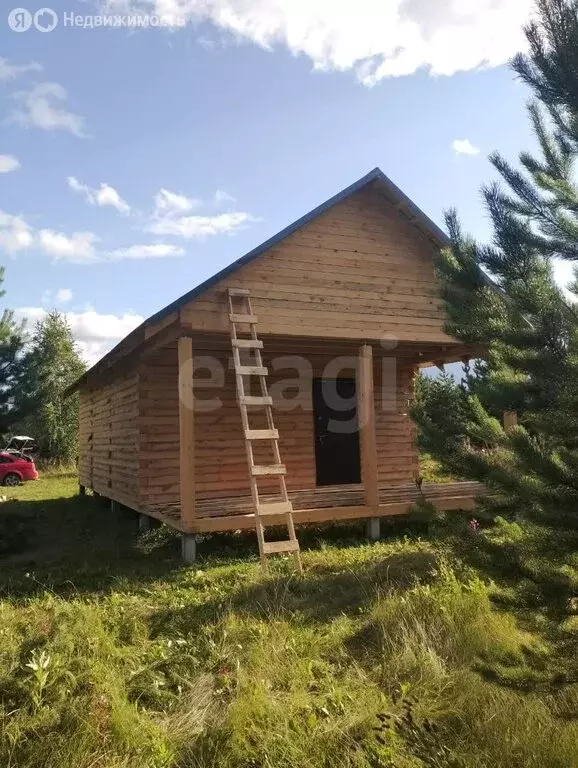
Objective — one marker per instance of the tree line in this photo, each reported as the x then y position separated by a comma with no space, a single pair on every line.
35,369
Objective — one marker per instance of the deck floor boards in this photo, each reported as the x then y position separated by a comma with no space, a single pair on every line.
333,497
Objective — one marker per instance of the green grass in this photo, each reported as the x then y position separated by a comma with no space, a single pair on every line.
112,653
431,470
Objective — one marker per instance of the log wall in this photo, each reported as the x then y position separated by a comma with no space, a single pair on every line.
109,440
221,468
159,429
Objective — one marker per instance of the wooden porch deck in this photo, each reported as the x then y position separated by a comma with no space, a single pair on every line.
320,505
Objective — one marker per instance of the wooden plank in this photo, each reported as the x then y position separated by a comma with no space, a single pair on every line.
256,400
276,547
340,496
251,370
272,469
329,514
247,343
186,429
275,508
510,420
243,319
262,434
388,327
367,432
317,315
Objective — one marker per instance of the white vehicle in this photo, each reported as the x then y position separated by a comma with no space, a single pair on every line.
20,445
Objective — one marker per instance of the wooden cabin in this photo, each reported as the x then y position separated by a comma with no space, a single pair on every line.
346,302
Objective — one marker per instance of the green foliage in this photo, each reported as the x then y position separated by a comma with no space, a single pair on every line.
53,363
431,470
39,664
114,654
439,400
421,735
524,319
11,361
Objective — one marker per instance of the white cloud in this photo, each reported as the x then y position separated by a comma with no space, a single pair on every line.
104,195
168,217
107,195
43,107
77,248
15,234
169,203
95,333
464,147
63,295
9,163
375,38
155,251
80,248
10,71
222,197
200,226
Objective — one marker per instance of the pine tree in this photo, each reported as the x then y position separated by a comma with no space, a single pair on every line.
439,400
11,364
529,326
53,364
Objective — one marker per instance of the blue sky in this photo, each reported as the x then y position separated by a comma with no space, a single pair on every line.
138,162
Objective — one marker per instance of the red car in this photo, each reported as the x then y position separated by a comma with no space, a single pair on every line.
15,469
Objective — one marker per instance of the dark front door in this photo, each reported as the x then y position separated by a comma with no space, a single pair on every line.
336,431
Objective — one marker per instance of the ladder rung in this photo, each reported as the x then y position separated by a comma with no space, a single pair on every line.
251,370
247,319
275,508
271,469
274,547
247,343
261,434
256,400
239,292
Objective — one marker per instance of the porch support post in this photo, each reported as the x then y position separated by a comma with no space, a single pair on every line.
366,416
510,420
144,523
186,430
189,547
373,528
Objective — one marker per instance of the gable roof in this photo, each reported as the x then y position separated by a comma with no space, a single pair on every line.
376,177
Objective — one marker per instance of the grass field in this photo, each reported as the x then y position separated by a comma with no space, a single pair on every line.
112,653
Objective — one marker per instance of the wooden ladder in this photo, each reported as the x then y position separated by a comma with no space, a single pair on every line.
243,315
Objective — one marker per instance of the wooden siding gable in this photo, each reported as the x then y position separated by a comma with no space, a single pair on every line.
359,270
